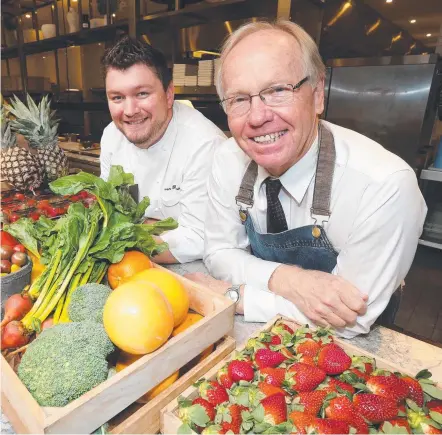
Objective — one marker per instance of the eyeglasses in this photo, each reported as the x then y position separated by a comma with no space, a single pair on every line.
276,95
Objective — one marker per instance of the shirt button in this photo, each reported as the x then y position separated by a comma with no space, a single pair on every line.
157,209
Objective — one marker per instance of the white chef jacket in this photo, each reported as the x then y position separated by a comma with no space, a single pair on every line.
377,216
172,173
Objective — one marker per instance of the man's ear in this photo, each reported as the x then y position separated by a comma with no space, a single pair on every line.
170,95
319,96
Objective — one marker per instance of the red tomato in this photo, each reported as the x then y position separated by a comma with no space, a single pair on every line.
7,239
52,212
14,217
19,196
83,194
19,248
34,215
75,198
43,204
31,202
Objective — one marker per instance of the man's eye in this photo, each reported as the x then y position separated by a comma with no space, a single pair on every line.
116,98
279,89
240,99
142,94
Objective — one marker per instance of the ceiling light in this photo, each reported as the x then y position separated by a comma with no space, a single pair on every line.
428,35
388,1
28,15
114,15
412,21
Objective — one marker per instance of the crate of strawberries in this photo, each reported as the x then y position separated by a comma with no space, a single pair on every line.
291,379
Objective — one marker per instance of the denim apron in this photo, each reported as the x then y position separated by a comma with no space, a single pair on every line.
308,246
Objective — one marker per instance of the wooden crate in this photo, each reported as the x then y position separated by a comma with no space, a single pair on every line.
170,421
106,400
146,418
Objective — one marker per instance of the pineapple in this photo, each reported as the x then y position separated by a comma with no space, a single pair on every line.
19,167
39,126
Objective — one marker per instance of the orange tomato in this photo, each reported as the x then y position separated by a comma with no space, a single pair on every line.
132,263
171,287
126,359
138,318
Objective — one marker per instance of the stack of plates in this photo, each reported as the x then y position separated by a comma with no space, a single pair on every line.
185,75
216,63
205,73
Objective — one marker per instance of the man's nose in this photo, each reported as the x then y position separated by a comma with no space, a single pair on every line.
130,107
259,113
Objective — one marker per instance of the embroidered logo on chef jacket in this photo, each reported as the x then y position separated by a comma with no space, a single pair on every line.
174,187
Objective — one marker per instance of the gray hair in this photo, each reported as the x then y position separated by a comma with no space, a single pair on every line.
311,60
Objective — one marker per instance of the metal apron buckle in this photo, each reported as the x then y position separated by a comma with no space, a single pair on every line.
243,211
316,230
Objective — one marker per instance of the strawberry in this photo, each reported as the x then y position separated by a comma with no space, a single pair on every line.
334,385
275,409
275,340
273,376
254,344
223,378
342,408
280,326
415,392
390,387
302,421
395,426
333,359
229,417
268,358
375,409
330,426
305,377
307,347
434,405
240,371
309,360
213,392
310,402
363,363
208,407
213,429
270,390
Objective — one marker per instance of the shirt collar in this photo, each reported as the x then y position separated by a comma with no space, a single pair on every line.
297,179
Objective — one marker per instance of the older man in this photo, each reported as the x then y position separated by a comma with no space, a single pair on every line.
166,145
311,220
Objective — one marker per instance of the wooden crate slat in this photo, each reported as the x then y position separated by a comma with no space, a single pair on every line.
147,418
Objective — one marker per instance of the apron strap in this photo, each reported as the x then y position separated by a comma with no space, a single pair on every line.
324,173
245,194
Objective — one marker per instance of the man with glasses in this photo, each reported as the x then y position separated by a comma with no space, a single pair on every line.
166,145
305,218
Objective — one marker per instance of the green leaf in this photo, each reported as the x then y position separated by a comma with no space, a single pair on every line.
258,413
23,230
184,429
183,402
118,177
141,209
284,427
412,405
432,391
423,374
261,427
436,416
198,415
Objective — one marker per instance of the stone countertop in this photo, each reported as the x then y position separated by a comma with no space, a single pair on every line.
407,352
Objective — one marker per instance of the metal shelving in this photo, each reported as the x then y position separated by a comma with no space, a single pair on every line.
431,174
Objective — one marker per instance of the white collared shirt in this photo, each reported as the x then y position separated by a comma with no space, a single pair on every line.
172,173
377,216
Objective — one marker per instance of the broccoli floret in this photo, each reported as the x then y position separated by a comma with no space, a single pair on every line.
87,303
65,361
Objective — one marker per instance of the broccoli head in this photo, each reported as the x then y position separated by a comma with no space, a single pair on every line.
65,361
87,303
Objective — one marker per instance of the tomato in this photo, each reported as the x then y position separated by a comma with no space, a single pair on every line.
19,196
34,215
14,217
19,248
7,239
83,194
31,202
51,212
75,198
43,204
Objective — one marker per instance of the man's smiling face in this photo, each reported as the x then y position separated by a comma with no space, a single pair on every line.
274,137
140,107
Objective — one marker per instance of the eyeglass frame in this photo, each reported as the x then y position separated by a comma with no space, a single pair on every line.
294,88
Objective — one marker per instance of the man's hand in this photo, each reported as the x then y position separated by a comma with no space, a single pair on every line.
324,298
217,286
